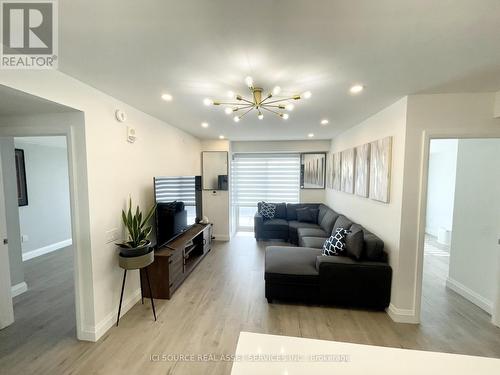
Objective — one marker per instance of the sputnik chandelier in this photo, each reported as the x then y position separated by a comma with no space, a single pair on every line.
271,102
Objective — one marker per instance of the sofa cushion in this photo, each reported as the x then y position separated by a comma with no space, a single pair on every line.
280,210
267,210
291,209
275,225
328,220
307,215
314,242
355,244
336,245
291,260
311,232
374,247
341,222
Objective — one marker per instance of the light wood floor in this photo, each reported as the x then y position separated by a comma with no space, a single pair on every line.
225,296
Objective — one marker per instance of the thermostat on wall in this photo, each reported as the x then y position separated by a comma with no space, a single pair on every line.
120,115
131,137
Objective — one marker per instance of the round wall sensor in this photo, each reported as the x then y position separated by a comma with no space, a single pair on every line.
120,115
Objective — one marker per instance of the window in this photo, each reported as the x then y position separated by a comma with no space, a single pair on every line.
181,189
262,177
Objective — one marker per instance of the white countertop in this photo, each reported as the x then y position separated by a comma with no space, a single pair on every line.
282,355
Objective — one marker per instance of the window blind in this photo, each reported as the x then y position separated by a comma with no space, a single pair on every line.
181,189
265,177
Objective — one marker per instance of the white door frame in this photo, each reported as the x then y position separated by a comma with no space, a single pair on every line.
6,309
427,136
70,125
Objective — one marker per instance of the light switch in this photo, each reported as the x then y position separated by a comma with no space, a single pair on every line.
24,238
112,235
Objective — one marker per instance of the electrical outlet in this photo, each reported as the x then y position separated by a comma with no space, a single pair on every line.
24,238
111,235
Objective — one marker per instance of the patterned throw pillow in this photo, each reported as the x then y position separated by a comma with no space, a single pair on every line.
267,210
335,245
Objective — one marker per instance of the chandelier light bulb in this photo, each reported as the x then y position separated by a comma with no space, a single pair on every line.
249,81
204,124
208,101
276,90
260,116
236,119
167,97
230,94
307,95
289,107
324,122
285,116
228,110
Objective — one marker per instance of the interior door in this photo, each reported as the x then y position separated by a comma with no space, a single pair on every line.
6,310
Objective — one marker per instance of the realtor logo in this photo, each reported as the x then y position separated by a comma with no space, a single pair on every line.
29,34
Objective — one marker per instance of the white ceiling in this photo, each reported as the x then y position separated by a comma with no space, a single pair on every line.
16,103
192,49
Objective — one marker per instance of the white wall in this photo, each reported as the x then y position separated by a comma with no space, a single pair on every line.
46,220
216,205
432,116
476,222
441,185
306,195
382,219
11,211
115,169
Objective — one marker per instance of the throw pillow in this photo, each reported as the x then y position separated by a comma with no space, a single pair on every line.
355,244
267,210
335,245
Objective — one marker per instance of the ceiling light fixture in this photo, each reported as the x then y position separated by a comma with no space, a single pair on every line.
324,122
221,137
204,124
310,135
167,97
356,89
259,102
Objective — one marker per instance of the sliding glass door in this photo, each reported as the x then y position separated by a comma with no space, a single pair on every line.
262,177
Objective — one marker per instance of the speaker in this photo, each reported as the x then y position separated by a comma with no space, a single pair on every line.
198,193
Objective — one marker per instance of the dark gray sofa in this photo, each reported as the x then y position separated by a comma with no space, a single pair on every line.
304,274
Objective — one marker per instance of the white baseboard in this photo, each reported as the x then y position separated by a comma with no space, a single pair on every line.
46,249
18,289
402,315
95,333
470,295
221,237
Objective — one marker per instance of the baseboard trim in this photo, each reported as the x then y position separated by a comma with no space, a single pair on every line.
46,249
402,315
470,295
18,289
221,237
95,333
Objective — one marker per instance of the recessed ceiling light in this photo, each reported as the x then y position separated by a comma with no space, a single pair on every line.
310,135
324,121
204,124
221,137
167,97
356,89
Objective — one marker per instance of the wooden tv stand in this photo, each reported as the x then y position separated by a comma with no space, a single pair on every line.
174,262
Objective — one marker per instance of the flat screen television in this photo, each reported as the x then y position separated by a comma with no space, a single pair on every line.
178,207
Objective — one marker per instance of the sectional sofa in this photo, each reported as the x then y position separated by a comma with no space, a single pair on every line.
302,273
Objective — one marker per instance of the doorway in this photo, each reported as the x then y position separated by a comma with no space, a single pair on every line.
460,261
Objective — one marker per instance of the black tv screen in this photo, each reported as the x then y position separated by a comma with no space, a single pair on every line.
178,202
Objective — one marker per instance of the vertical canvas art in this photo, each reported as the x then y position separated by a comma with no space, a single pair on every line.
336,170
361,170
329,170
347,173
380,169
313,171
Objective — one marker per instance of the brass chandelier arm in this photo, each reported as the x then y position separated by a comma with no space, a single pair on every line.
244,107
227,103
281,106
270,110
245,113
248,101
280,100
266,98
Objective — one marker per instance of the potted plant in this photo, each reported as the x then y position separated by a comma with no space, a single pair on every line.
138,229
